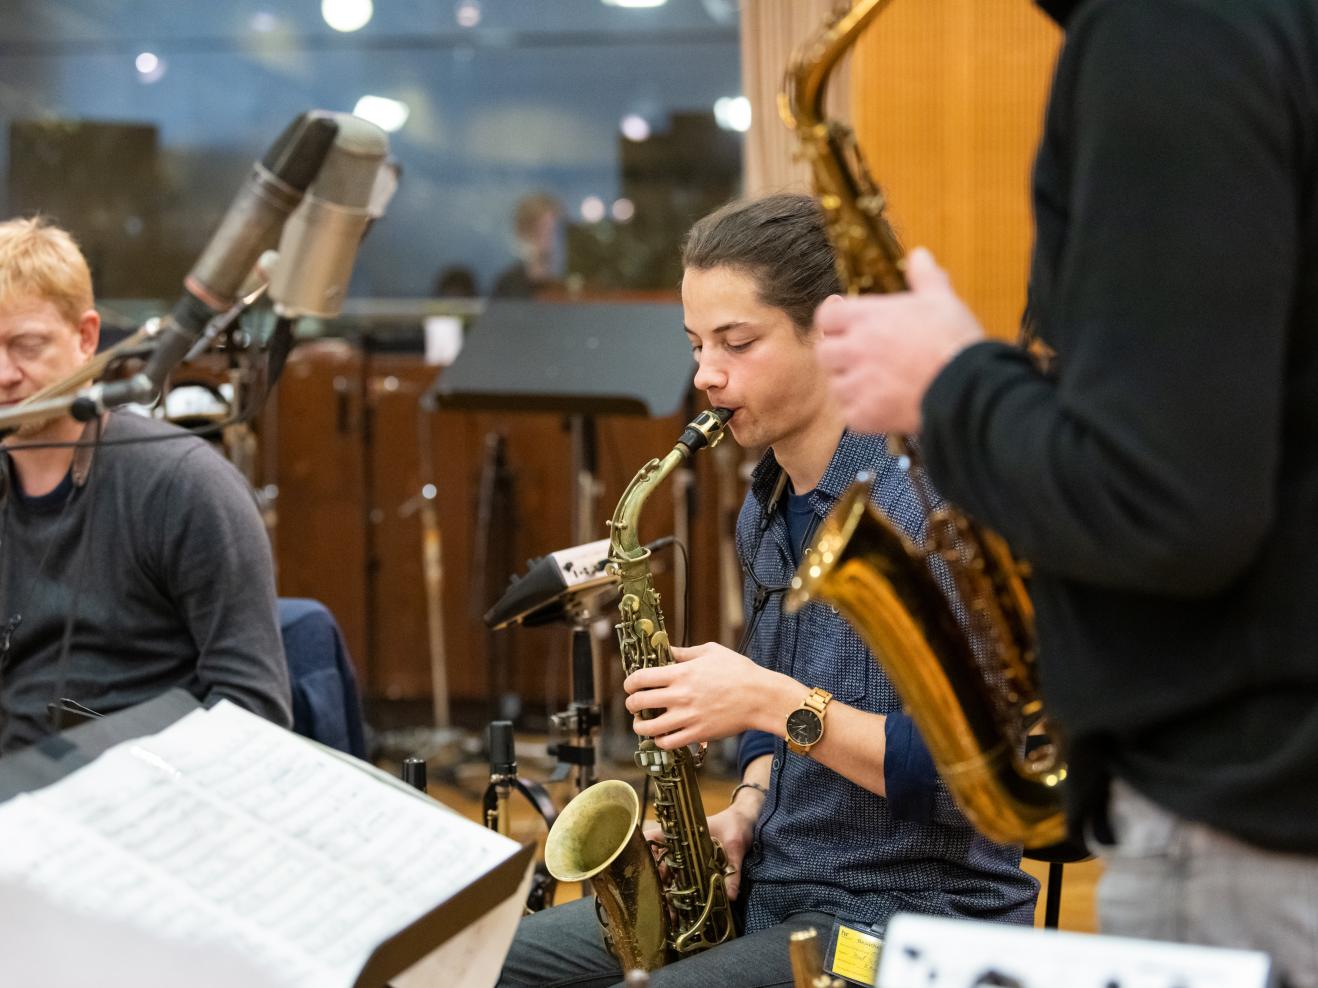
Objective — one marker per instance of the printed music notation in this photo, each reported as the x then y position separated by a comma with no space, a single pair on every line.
225,829
934,952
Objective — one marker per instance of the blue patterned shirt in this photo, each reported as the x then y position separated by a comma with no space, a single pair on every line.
822,842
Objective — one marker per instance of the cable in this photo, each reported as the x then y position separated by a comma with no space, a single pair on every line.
277,355
83,552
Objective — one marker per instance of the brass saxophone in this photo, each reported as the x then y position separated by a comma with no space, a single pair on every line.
597,838
974,711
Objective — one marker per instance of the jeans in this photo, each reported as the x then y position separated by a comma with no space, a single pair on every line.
1171,879
563,946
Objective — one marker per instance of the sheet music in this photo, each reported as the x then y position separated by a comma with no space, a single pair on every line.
224,828
43,945
935,952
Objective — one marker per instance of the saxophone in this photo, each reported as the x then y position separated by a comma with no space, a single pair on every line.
597,838
972,690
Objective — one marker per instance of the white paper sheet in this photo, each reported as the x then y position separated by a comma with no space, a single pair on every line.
933,952
225,829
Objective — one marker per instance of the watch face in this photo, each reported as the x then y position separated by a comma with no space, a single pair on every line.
804,726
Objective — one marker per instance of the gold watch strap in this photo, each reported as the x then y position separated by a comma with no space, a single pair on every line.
817,700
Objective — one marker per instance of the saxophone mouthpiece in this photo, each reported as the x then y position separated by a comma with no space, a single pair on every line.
706,429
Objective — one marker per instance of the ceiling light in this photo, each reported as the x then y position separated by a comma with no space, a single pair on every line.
387,114
468,13
346,15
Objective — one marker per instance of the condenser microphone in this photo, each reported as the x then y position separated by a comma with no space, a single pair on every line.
320,240
251,226
254,221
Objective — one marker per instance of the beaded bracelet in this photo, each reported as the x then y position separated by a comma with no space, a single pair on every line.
747,785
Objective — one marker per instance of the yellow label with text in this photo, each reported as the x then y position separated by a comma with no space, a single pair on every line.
856,955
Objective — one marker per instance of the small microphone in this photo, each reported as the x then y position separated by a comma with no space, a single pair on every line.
251,226
320,240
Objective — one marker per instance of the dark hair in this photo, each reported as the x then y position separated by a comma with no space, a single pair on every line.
780,241
455,281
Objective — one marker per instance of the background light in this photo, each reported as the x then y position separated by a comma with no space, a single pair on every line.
468,13
733,113
592,209
623,210
347,15
635,127
263,22
387,114
634,3
150,66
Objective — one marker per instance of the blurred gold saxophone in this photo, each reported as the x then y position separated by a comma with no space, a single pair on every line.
972,691
597,838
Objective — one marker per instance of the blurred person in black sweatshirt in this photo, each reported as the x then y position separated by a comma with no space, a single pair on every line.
1160,473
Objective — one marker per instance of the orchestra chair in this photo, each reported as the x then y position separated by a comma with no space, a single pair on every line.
326,703
1057,856
1068,850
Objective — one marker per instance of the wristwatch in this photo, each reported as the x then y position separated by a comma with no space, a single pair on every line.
805,724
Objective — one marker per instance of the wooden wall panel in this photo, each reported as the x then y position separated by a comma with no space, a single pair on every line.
948,99
349,533
319,538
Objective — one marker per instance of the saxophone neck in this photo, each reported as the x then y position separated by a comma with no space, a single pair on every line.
706,429
801,103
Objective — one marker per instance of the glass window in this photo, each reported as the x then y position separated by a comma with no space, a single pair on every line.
133,122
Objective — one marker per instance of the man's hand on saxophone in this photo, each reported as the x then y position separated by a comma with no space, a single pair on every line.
712,692
733,827
881,352
706,695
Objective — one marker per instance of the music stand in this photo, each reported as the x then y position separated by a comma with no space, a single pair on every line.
580,358
584,358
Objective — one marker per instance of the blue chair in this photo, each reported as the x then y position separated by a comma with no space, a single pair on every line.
326,704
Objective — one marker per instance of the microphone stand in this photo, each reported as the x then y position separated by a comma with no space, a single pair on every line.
138,344
85,404
578,723
503,780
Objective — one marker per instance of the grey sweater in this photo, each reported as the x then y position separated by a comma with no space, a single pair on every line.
161,557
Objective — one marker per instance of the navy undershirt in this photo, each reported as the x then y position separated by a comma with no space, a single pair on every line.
801,520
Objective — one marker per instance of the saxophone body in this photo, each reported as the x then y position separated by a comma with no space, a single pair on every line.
971,686
647,920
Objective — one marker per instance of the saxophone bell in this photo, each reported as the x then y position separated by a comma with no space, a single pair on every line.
861,564
598,839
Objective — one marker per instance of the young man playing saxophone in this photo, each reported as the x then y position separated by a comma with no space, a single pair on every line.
847,822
